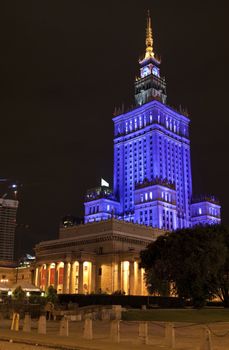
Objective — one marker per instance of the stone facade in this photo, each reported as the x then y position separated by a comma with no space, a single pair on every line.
11,275
95,257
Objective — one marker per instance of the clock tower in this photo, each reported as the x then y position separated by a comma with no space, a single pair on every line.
150,85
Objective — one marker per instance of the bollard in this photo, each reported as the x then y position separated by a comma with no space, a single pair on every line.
87,330
27,323
64,327
143,333
206,343
115,331
15,322
169,335
42,325
105,315
117,312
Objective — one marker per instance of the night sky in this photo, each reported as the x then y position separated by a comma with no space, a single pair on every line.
65,65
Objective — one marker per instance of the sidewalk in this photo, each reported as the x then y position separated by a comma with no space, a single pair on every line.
187,338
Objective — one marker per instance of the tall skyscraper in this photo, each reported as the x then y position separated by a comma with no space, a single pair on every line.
152,165
8,212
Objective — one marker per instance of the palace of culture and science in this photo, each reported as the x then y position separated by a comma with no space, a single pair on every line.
152,163
152,194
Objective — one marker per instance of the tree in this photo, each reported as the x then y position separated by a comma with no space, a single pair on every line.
52,295
222,281
19,294
194,261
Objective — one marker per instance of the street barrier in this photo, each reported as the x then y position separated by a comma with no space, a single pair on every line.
15,322
87,331
115,331
42,325
27,323
64,327
140,330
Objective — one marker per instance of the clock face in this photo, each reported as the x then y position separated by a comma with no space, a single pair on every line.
145,71
155,71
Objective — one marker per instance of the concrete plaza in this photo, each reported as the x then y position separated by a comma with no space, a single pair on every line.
187,336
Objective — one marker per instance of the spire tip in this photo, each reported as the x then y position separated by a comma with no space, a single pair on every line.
149,37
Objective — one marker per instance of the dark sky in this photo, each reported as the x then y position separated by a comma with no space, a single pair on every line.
65,65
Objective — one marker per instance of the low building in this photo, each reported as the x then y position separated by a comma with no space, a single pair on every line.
11,275
96,257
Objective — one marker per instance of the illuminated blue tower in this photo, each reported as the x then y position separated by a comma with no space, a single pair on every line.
152,169
152,165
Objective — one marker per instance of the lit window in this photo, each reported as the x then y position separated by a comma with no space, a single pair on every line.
135,123
126,128
200,211
146,196
108,207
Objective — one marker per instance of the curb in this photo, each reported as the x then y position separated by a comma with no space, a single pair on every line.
47,345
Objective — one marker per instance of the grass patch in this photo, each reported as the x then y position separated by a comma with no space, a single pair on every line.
178,315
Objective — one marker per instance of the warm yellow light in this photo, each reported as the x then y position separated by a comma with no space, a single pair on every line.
4,280
126,266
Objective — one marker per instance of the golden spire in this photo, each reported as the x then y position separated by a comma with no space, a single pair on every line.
149,38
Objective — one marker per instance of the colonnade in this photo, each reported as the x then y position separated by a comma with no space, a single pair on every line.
84,277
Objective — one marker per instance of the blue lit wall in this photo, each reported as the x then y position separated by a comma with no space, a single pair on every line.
153,141
205,212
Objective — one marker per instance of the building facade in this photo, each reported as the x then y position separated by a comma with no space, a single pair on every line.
152,182
96,257
152,193
8,213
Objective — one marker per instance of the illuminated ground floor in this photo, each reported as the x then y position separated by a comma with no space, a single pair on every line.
97,257
87,277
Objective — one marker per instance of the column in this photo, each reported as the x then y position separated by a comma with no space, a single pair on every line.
98,278
65,284
119,275
38,276
144,288
131,278
56,276
93,277
71,278
47,277
80,289
139,279
114,275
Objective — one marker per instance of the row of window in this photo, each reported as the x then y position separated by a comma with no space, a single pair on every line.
211,211
167,220
95,209
139,122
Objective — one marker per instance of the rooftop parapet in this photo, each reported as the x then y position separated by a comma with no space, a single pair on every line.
156,181
99,192
205,198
